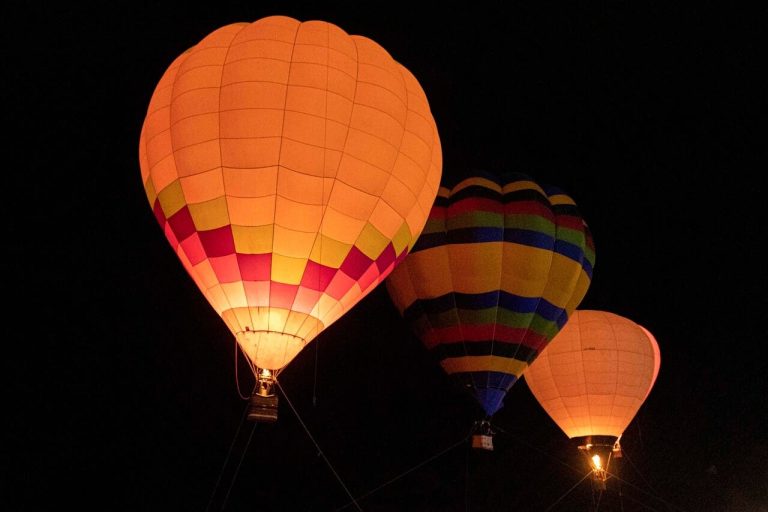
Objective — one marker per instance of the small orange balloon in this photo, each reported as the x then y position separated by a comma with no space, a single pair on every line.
595,374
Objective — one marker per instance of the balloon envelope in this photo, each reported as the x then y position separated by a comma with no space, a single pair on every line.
492,278
594,376
291,167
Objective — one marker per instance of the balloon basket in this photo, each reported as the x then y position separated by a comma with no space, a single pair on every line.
262,409
599,482
482,438
482,442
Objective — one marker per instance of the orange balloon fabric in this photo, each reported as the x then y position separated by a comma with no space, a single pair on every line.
595,374
291,167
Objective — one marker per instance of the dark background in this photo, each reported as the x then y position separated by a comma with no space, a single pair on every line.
120,383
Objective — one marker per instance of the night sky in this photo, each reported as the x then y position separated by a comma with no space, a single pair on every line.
120,378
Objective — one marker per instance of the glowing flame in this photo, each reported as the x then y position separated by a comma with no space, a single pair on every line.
597,462
266,374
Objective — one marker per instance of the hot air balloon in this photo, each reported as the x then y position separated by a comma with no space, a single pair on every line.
493,277
291,166
592,379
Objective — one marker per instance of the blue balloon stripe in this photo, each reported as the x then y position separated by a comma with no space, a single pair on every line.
475,235
525,237
477,301
570,250
429,240
529,238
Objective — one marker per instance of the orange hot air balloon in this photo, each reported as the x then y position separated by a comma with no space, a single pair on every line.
592,379
291,167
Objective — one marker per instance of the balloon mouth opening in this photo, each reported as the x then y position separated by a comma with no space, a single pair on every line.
269,350
252,332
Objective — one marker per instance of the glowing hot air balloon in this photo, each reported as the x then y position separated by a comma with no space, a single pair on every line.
493,277
291,167
592,379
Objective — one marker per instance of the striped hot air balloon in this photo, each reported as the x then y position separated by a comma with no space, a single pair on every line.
493,277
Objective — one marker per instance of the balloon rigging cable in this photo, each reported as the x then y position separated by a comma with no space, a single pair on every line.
354,500
319,450
237,469
612,475
498,428
237,378
407,471
558,500
226,460
655,492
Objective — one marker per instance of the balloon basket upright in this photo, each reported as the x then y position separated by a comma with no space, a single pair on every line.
262,406
482,438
